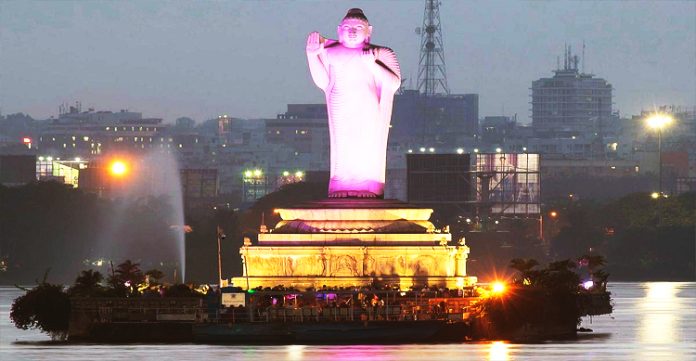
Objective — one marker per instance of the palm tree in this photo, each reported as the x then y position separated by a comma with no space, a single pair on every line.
129,272
559,275
88,283
126,278
526,269
593,261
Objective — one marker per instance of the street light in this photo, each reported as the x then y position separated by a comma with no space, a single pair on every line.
658,121
118,168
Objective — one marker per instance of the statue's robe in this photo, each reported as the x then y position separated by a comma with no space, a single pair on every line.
359,104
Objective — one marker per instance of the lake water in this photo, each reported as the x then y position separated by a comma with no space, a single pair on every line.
651,321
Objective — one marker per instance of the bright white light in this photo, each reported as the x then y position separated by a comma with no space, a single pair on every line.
460,151
295,352
50,159
77,159
498,150
498,287
468,220
498,351
118,168
299,174
41,158
422,149
286,173
524,149
431,149
476,150
588,284
258,172
659,120
248,174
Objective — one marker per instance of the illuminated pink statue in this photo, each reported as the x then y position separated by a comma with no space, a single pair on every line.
359,80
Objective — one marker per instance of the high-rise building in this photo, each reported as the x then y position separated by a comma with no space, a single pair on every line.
571,102
440,120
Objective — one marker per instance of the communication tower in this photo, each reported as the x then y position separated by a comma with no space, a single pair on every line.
432,77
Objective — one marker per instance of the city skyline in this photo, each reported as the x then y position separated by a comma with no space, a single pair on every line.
172,59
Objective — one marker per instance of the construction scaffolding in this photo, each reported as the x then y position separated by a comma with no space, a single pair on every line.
508,184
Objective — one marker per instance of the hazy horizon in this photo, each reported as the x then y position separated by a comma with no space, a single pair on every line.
172,58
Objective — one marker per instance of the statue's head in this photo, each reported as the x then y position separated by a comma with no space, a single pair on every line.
354,31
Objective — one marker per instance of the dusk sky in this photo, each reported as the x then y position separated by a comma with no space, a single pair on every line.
200,59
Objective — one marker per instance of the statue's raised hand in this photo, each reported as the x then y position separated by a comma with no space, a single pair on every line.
369,55
315,43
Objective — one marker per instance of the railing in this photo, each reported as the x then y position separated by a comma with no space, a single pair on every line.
402,309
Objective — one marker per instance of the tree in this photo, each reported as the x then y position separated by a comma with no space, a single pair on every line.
560,277
126,278
46,307
154,276
87,284
526,269
180,290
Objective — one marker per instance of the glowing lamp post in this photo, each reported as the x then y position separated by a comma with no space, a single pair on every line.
658,121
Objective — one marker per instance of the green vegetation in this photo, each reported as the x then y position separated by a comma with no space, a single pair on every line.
550,300
642,238
47,306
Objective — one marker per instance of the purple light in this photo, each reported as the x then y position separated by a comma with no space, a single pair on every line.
588,284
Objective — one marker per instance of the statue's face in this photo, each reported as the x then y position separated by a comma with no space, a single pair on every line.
354,33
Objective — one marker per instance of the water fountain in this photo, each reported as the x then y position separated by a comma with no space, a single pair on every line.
147,225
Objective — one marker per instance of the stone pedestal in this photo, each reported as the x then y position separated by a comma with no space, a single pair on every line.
351,242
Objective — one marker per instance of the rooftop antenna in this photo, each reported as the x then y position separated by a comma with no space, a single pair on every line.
583,56
432,76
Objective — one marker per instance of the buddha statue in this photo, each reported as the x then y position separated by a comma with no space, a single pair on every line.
359,80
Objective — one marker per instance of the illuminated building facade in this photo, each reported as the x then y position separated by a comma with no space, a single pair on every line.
354,243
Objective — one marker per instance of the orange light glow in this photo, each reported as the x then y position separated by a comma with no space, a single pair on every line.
553,214
498,288
118,168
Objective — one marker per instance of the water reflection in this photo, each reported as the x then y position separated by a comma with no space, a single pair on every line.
651,321
660,308
498,351
295,352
